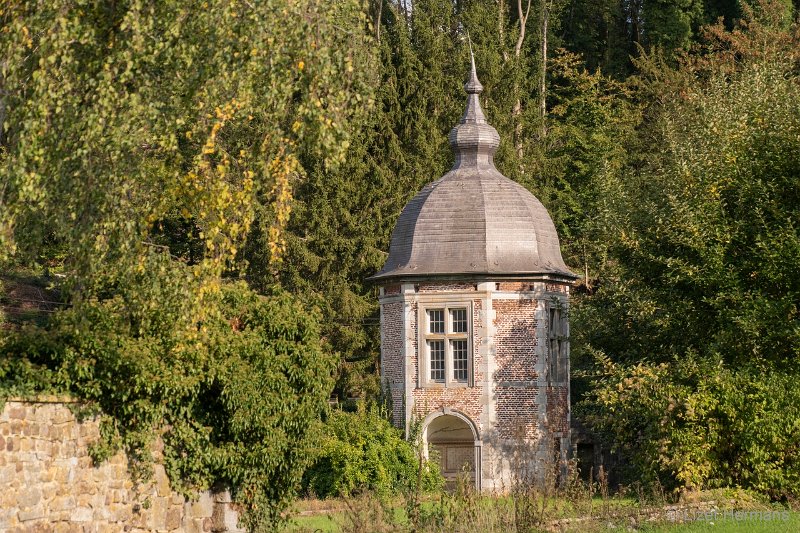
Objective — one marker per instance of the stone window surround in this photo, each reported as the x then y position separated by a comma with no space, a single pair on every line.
447,302
558,341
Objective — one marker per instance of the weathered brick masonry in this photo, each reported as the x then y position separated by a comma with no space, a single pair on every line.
393,360
445,287
391,290
516,377
557,409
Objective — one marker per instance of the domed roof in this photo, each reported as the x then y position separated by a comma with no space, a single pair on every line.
474,220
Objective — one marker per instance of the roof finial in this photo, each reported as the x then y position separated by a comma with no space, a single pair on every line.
473,113
473,86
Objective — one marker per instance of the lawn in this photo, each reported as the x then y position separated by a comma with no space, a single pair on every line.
778,521
318,523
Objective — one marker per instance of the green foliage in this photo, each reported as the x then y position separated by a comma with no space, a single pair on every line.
697,338
591,127
140,140
19,376
126,118
695,423
362,451
669,24
710,229
343,217
234,394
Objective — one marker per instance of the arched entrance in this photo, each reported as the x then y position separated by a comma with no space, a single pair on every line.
451,439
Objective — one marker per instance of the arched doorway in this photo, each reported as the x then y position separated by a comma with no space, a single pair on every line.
451,439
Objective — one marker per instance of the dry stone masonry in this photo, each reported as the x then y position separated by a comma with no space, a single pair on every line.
49,483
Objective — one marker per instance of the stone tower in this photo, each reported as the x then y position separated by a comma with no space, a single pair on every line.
474,324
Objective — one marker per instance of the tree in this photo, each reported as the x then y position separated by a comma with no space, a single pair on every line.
343,217
705,221
143,139
362,451
124,115
698,334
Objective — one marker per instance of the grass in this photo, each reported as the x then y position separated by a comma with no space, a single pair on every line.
321,523
763,521
780,522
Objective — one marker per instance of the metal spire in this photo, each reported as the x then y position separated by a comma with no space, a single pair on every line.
473,114
473,140
473,86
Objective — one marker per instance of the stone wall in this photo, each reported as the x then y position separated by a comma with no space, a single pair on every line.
49,483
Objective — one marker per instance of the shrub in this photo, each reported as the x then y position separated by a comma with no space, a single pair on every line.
363,451
696,423
234,394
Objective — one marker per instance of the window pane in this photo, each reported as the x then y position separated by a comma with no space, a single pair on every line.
460,359
436,321
436,351
458,320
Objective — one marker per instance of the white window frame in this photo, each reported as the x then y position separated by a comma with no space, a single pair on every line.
447,337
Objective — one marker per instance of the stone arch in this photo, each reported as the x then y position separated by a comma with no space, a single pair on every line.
456,440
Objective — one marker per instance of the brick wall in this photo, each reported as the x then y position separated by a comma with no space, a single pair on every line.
446,287
557,409
522,403
515,286
557,287
391,290
516,377
49,483
393,357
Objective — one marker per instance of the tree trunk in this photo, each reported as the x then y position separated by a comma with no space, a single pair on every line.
523,20
501,11
633,16
378,6
516,113
2,105
543,78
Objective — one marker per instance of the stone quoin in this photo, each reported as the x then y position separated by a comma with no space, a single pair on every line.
474,300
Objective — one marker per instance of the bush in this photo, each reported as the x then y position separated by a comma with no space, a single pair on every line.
363,451
237,392
696,423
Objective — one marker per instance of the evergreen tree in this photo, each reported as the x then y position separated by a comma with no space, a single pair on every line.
342,218
696,338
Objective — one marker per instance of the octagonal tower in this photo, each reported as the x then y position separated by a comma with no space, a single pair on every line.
474,324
